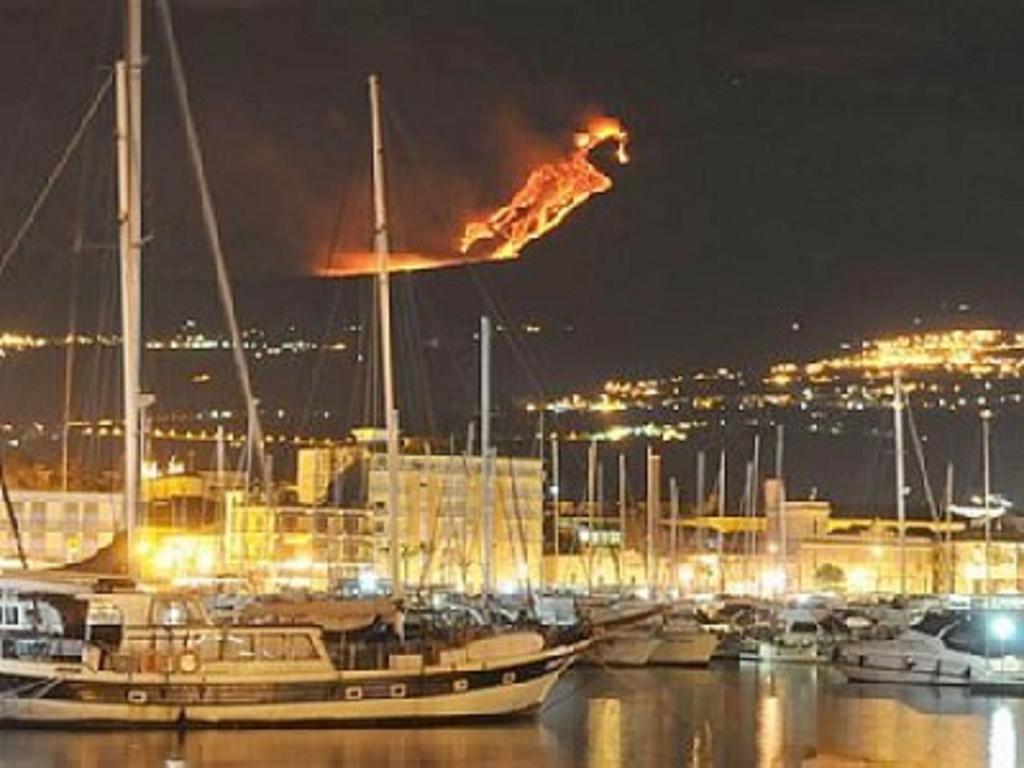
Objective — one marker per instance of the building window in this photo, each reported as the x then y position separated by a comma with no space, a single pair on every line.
90,516
37,515
72,515
36,544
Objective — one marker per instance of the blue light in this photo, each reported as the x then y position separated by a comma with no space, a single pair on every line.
1002,628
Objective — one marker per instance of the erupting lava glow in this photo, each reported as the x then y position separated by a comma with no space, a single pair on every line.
360,263
551,192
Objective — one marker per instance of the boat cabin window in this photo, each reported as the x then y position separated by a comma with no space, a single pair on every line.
273,648
804,627
12,616
228,645
933,622
988,633
174,612
238,647
302,648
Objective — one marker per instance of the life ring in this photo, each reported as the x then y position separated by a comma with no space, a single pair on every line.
188,662
137,696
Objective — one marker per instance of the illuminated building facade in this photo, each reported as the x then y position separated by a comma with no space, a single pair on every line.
58,527
441,499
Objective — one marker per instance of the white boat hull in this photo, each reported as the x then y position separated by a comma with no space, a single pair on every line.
689,649
495,702
503,695
634,650
788,654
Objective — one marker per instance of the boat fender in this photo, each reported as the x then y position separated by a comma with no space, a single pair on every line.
938,667
188,662
908,662
136,696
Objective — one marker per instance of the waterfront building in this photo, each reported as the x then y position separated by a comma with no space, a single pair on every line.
441,520
60,526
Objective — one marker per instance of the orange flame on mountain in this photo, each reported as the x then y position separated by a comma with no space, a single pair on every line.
551,193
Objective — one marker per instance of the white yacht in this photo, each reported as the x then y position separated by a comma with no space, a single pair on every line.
658,635
798,637
977,647
684,641
89,651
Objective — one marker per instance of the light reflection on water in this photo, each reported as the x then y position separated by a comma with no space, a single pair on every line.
752,715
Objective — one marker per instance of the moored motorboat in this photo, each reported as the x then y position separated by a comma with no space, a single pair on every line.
981,648
670,636
683,640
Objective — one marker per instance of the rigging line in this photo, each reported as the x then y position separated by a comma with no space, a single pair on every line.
55,174
12,518
521,524
319,361
212,230
333,244
515,343
435,528
74,289
509,533
919,452
440,214
417,388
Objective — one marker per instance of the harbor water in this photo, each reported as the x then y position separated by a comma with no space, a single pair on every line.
750,715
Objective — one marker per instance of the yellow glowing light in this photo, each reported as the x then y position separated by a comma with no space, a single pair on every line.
860,579
773,579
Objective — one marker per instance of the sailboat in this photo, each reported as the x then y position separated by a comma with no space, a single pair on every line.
92,650
637,633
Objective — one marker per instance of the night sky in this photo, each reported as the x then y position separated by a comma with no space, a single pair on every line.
840,168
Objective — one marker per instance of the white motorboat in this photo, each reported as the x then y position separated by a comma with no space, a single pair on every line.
671,637
799,638
684,641
978,648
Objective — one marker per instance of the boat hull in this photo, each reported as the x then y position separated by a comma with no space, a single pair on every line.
776,653
624,650
497,690
687,649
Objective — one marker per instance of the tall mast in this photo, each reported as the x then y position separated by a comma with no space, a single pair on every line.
745,512
600,496
673,573
556,497
755,476
653,499
780,443
622,519
698,506
950,577
382,248
986,416
901,515
591,485
487,459
721,518
129,156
